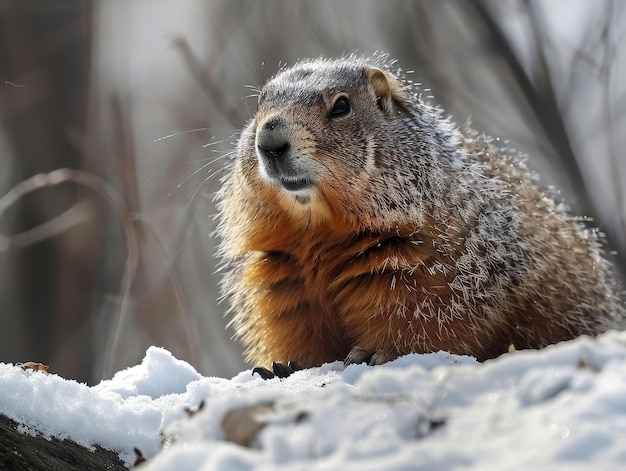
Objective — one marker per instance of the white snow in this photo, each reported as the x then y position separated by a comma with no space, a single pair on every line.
562,408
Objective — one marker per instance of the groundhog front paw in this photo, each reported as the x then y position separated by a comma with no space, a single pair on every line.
371,357
278,369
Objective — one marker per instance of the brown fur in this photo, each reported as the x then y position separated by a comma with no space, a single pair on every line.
366,259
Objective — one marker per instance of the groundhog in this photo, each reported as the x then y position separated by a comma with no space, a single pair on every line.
359,224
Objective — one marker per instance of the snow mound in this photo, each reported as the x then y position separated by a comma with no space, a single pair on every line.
563,407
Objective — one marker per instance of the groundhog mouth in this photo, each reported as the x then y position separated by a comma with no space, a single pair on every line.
295,183
282,173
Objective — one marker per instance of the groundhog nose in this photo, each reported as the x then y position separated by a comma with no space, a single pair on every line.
272,138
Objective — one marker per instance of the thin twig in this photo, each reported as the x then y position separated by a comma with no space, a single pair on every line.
77,214
201,76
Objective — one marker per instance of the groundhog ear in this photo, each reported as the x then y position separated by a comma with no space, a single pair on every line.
389,92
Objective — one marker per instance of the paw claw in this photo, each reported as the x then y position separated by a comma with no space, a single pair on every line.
294,365
357,355
371,357
264,373
378,358
280,370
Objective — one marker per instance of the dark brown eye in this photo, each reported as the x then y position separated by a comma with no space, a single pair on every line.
341,107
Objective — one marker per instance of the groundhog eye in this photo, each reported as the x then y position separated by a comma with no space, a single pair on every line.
341,107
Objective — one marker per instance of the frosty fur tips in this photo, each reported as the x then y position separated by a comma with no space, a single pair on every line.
358,223
558,408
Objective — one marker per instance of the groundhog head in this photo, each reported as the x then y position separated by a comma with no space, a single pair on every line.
330,137
315,130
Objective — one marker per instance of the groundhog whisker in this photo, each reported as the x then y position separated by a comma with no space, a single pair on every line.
178,133
200,169
254,88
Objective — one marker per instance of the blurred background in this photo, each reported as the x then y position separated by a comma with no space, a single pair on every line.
147,96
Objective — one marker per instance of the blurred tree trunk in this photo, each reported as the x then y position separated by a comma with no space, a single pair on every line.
44,73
